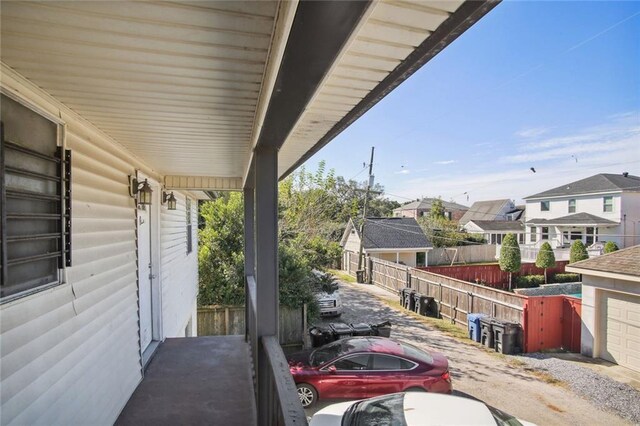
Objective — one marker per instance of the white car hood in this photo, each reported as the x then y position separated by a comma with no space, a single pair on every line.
330,415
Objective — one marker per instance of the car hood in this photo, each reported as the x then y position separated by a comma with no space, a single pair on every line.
324,295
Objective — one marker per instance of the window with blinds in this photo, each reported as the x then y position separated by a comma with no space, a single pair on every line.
35,208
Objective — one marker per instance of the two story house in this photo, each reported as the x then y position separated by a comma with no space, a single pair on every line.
419,208
603,207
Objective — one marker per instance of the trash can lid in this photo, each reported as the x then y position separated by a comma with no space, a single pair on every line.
473,317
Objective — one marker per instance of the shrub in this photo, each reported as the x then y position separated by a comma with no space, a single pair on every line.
578,252
528,281
546,258
510,260
566,278
610,247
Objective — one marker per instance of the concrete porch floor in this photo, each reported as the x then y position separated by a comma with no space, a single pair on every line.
194,381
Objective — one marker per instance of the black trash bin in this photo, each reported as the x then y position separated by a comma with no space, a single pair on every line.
341,330
409,300
320,336
486,332
382,329
426,305
507,337
360,276
362,329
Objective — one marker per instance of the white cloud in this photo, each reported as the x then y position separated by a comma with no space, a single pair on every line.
445,162
532,132
613,147
402,172
621,135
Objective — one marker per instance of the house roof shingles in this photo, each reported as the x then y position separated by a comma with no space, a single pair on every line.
625,262
393,232
573,219
603,182
483,210
499,225
425,204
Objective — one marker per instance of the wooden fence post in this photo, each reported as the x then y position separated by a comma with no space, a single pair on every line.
226,321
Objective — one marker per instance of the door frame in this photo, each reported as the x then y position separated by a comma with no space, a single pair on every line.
156,281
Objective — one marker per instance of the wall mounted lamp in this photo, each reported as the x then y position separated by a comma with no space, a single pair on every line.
170,199
140,190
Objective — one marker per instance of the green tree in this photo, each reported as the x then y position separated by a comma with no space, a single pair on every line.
546,258
436,212
510,260
221,251
578,252
610,247
443,232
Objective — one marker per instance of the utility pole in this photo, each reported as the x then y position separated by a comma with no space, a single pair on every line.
364,210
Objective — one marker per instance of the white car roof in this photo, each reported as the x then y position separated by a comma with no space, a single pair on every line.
443,410
422,409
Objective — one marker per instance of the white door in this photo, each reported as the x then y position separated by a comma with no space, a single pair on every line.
621,329
144,279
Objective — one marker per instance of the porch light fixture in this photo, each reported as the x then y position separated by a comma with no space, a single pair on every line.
170,199
140,190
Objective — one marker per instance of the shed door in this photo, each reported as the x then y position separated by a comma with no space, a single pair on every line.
621,329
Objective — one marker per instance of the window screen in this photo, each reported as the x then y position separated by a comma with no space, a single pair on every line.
35,209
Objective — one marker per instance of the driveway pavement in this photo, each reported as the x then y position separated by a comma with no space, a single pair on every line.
475,373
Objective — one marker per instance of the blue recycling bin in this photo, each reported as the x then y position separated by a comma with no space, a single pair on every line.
474,326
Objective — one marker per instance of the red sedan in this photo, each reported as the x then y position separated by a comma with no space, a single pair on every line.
362,367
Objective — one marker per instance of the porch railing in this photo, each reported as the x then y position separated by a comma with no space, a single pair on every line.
276,390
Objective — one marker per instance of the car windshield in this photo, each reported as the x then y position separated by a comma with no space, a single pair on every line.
387,410
502,418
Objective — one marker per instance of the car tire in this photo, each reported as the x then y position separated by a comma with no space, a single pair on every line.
307,394
416,389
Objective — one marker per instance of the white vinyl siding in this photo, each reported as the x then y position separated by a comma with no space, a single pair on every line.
70,354
179,270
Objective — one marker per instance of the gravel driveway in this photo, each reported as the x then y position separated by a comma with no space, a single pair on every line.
476,373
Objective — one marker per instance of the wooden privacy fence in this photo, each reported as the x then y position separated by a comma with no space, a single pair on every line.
462,254
455,298
548,322
491,274
458,298
388,275
227,320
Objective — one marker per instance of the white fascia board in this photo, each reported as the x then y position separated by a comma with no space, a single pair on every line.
602,274
282,27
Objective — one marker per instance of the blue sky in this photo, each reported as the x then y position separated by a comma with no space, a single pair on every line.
549,85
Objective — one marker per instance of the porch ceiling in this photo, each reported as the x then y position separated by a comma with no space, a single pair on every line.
184,85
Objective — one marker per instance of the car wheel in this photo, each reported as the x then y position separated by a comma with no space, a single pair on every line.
415,389
308,395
